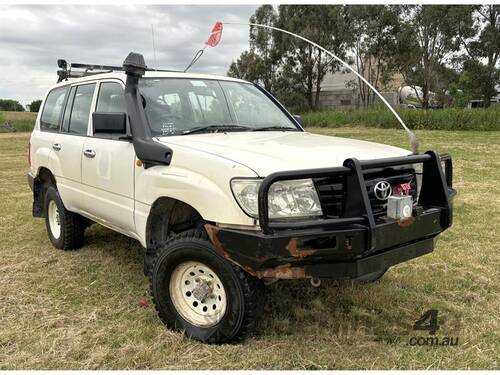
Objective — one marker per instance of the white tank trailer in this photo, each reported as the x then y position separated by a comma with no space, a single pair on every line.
411,96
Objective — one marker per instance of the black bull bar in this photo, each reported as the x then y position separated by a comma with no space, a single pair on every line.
301,248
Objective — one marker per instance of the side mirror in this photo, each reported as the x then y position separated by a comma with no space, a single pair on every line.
110,123
299,119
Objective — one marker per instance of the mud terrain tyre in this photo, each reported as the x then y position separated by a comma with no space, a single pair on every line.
65,229
197,291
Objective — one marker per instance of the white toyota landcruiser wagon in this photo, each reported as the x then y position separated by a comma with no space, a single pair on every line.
225,190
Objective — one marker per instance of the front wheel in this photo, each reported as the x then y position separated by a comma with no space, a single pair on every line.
197,291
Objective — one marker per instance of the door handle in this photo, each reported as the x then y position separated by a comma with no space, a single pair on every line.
89,153
56,146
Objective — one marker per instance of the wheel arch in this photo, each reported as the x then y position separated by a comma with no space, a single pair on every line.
167,217
43,178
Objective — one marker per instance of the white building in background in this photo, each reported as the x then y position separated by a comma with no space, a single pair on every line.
336,92
478,103
339,91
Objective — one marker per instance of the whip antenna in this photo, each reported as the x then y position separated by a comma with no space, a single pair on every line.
154,47
411,135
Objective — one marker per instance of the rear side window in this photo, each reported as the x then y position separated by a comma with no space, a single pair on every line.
67,111
80,111
52,109
111,98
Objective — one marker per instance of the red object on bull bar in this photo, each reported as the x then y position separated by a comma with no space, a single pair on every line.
402,189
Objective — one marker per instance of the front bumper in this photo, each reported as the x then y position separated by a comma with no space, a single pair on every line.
344,247
337,254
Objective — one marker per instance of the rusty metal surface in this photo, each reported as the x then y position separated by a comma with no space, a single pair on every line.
297,252
285,271
403,223
213,233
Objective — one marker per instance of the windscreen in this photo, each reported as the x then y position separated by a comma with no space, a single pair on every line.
176,106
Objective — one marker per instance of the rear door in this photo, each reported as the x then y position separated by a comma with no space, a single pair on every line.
68,145
108,166
47,127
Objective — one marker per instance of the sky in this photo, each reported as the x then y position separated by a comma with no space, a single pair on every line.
33,37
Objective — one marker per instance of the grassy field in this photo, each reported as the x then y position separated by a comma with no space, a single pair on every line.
435,119
22,121
442,119
79,310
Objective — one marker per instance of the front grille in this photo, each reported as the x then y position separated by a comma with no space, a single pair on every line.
331,194
331,189
394,177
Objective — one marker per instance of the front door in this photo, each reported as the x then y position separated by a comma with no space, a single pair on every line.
108,167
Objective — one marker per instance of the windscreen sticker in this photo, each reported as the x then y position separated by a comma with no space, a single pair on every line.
198,83
167,128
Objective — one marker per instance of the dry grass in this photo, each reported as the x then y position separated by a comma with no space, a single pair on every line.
79,310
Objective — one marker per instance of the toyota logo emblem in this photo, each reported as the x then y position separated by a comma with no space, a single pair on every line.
382,190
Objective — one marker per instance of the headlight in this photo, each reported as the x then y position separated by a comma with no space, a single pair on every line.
294,198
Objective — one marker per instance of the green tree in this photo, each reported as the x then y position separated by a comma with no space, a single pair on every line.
263,43
480,38
247,67
11,105
373,28
35,105
324,25
460,91
261,63
428,36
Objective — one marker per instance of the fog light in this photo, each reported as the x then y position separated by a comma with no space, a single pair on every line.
399,207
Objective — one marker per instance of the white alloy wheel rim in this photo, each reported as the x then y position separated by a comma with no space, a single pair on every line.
198,294
54,219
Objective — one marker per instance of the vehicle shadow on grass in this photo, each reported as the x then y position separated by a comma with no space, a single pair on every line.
122,249
341,308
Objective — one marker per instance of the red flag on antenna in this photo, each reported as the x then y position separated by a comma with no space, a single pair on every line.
216,35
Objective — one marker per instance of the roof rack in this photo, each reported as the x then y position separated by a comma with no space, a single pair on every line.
67,70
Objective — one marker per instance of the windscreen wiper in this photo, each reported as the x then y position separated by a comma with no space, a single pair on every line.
284,128
223,127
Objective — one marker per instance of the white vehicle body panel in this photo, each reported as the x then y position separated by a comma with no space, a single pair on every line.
273,151
41,149
65,165
197,178
108,182
41,145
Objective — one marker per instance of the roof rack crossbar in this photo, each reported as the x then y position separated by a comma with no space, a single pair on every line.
91,69
95,67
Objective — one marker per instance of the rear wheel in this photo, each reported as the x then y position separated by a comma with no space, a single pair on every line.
199,292
65,229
